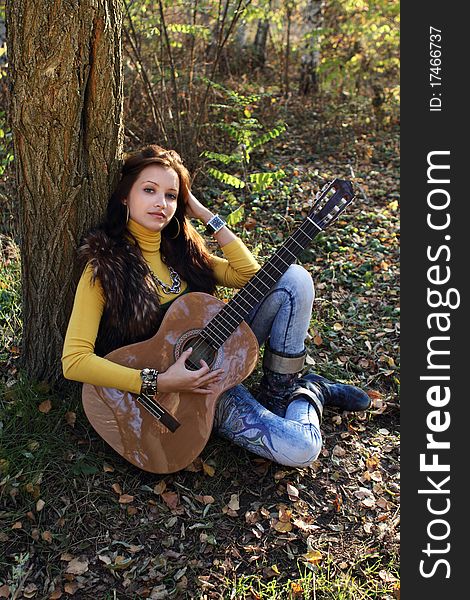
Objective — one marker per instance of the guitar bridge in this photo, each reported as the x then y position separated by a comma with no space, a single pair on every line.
158,412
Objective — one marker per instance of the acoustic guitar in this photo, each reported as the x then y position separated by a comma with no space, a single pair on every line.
164,434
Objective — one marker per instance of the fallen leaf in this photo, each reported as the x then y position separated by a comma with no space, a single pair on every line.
40,504
70,418
313,556
208,469
205,499
296,589
5,591
278,475
234,503
45,406
303,526
195,466
56,594
108,468
338,326
117,488
339,451
66,556
125,499
372,462
387,576
283,526
250,224
292,492
71,587
77,566
47,536
30,590
229,511
159,488
376,476
285,514
170,499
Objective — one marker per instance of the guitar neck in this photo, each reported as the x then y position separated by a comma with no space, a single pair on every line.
234,312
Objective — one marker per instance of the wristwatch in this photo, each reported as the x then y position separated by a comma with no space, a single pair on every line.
149,379
214,225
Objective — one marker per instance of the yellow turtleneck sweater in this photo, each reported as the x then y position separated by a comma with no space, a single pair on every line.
79,361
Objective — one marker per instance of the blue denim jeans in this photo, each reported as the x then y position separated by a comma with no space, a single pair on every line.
283,316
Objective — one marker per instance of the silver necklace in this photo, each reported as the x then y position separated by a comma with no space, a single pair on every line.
175,286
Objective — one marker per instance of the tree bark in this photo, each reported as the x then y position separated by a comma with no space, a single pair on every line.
65,71
259,45
310,58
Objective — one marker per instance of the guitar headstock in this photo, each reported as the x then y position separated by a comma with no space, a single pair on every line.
331,201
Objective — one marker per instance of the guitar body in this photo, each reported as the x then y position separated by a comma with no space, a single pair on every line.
131,429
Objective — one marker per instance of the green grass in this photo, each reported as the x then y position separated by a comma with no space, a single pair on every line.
10,296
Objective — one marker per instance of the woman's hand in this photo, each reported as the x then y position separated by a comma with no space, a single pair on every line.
196,210
180,379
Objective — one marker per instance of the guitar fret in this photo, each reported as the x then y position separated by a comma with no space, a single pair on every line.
221,317
250,294
313,223
220,340
296,242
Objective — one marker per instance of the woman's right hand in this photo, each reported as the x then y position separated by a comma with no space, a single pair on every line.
180,379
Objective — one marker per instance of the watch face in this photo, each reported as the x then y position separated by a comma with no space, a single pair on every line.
216,223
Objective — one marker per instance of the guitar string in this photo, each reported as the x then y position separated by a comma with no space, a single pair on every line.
216,321
224,315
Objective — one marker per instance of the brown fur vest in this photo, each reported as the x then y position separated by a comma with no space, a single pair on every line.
132,310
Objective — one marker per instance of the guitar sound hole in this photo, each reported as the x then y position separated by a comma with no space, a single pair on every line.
201,350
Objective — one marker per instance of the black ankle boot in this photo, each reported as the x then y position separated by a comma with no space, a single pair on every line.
341,395
275,390
281,373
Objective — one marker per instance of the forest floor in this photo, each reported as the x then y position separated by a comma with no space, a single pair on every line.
78,521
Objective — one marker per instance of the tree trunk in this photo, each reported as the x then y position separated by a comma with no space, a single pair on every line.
310,58
289,9
65,74
259,45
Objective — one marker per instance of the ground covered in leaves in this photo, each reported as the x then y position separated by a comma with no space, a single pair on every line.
78,521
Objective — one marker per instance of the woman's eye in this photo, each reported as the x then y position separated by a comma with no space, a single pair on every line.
148,189
172,196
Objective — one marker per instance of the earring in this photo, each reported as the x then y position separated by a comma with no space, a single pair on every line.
128,213
173,237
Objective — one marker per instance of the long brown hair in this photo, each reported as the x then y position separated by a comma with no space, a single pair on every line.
186,253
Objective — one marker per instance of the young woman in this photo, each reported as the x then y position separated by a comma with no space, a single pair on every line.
145,255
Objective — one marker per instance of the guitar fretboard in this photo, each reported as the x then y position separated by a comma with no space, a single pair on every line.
234,312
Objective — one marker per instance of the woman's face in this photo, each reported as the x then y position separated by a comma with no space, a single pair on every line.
153,197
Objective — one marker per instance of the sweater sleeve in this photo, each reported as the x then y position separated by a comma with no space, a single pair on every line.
79,361
238,266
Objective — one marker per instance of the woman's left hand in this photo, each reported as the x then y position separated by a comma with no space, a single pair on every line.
196,210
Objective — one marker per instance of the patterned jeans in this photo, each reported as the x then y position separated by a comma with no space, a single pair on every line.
283,316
